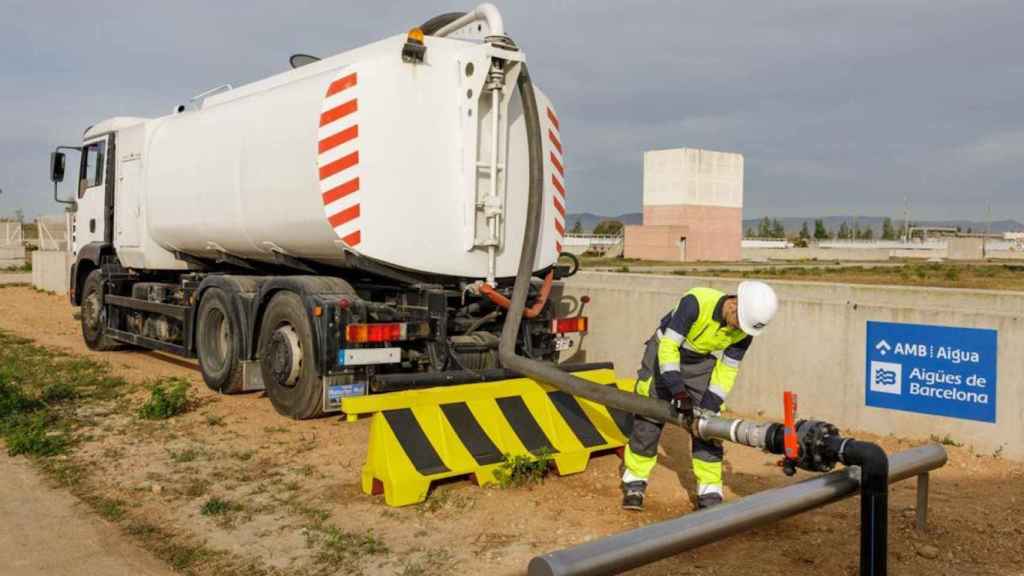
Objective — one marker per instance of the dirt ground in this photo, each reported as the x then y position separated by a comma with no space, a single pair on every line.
47,532
281,474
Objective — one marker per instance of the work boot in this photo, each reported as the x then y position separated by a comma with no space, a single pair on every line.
709,500
633,495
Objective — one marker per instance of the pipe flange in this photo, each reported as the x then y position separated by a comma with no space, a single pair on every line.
285,356
502,41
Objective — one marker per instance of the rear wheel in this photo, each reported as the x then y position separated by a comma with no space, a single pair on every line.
286,358
218,341
94,317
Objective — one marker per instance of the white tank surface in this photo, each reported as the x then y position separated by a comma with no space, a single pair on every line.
358,152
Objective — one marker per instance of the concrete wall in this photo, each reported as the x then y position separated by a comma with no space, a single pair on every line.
656,242
11,257
715,232
815,253
50,271
969,251
816,347
692,176
965,248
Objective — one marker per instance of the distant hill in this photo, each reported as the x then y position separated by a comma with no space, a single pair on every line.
832,223
589,221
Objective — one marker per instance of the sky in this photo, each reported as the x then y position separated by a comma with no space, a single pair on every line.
838,107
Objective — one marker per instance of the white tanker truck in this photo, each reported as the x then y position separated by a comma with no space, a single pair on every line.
350,226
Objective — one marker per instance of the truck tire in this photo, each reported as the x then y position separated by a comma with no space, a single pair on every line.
287,362
217,339
94,330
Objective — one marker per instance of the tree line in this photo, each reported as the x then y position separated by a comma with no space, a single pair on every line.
773,228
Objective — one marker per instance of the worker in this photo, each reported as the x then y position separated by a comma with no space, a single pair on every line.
680,366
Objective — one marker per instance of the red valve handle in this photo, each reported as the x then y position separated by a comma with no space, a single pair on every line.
792,448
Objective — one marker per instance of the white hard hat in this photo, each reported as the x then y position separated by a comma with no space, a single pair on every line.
757,306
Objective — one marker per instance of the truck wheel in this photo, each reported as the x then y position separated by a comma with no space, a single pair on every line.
93,317
286,358
217,342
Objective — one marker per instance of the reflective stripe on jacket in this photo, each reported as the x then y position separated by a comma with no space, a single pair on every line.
694,330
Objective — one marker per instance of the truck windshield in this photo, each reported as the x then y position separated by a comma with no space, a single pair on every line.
93,156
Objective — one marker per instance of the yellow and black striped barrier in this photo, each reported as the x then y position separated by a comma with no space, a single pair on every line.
419,436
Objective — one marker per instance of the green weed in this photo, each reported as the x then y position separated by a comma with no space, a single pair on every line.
338,550
109,508
57,392
218,507
522,470
33,434
14,401
166,400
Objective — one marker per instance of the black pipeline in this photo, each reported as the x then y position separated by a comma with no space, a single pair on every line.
654,542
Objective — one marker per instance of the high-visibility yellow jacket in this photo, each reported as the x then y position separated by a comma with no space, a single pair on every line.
691,333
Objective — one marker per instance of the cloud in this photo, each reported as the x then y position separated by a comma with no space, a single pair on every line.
993,151
837,106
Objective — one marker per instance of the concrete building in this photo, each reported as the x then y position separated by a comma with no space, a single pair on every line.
692,205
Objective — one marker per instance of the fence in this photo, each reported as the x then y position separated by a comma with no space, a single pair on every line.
53,232
594,243
11,234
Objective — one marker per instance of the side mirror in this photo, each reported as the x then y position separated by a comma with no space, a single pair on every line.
57,164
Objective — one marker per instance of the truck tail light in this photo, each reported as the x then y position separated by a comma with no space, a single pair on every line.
385,332
389,332
574,324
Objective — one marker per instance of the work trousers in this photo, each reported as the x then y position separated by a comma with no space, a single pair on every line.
642,451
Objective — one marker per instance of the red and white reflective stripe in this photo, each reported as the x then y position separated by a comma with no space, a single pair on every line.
338,157
557,161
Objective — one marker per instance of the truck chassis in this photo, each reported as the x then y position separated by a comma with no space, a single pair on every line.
307,335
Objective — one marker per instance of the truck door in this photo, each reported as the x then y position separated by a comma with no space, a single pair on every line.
95,194
126,209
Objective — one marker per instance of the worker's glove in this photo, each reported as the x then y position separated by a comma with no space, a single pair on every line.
683,404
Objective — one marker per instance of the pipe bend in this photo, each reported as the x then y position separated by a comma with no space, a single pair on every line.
873,462
487,12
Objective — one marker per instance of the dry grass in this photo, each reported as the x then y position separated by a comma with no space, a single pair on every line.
943,275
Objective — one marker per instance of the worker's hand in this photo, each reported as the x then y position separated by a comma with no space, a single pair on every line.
683,404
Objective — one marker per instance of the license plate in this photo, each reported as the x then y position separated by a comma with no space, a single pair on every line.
335,392
368,356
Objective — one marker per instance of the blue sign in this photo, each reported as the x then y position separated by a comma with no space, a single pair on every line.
940,370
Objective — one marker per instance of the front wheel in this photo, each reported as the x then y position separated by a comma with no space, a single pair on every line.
94,318
286,358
